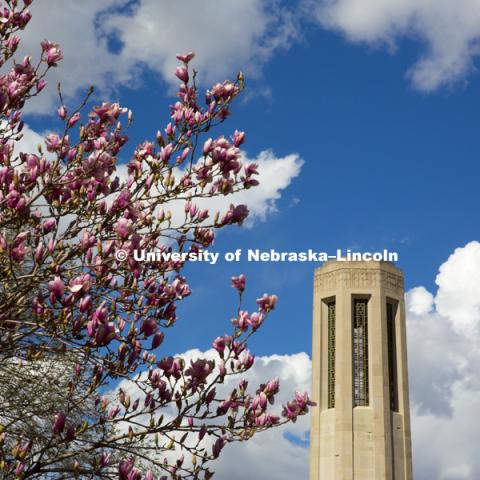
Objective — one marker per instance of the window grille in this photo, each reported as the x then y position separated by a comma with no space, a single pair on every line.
331,354
360,353
392,357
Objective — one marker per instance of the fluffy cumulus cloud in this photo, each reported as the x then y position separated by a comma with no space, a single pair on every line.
444,358
449,32
109,43
275,175
458,297
226,36
29,142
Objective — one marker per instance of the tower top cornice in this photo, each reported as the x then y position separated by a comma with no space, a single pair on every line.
359,274
335,265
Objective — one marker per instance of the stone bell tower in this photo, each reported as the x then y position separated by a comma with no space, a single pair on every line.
361,425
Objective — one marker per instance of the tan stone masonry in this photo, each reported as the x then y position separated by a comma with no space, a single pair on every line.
371,441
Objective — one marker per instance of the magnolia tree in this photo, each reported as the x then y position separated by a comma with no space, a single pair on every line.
81,317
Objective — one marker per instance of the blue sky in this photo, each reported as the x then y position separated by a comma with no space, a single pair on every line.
380,107
386,166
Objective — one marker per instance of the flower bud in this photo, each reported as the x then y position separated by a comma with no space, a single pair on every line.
182,74
157,339
62,112
238,138
74,119
39,252
57,287
58,423
239,282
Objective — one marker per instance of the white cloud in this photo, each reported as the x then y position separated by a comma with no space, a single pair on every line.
458,297
420,300
445,448
108,43
444,361
226,36
448,31
87,58
29,142
275,175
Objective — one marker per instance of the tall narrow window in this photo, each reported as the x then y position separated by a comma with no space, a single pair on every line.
360,352
392,356
331,354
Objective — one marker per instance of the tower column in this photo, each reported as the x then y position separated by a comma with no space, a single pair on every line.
343,390
380,388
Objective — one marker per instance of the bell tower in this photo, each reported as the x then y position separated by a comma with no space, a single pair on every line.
361,425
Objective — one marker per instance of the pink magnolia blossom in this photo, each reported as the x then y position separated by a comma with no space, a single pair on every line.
19,252
82,283
51,53
48,225
219,344
238,138
218,446
74,119
19,469
104,459
157,340
182,74
62,112
242,321
59,423
41,85
272,387
248,360
57,287
239,282
123,228
186,57
255,320
149,326
52,141
267,302
39,252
